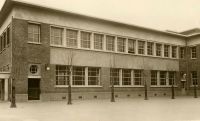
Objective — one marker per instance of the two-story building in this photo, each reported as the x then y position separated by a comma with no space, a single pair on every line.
38,44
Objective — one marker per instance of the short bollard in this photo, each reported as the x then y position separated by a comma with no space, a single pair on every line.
173,97
145,92
13,101
112,93
69,95
195,91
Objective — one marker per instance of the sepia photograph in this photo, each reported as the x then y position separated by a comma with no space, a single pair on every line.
99,60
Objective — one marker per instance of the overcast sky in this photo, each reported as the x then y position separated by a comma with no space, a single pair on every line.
176,15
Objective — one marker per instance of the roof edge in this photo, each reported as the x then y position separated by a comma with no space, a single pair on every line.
9,3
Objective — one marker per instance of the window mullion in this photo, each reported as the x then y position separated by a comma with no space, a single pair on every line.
86,76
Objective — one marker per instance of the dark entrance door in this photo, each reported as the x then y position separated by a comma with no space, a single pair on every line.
1,89
33,89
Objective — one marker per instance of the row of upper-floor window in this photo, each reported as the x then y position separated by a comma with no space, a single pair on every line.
5,39
73,38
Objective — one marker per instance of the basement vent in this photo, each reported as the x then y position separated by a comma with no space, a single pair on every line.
80,97
64,97
128,95
164,94
95,97
116,95
139,95
155,94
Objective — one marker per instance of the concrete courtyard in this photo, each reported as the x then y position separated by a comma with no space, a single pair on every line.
130,109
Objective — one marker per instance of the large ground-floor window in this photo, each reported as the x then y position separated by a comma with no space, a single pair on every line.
93,76
79,76
114,76
163,78
194,78
62,75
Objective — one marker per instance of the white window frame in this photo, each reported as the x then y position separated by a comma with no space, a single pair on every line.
52,40
193,53
96,76
98,41
121,44
86,42
72,39
141,47
150,46
158,49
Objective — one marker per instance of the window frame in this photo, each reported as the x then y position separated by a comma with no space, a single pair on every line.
141,47
121,44
110,44
85,40
193,53
78,74
174,51
154,78
71,42
38,33
163,80
158,49
131,46
96,76
52,37
115,76
166,51
182,52
194,78
98,41
126,77
138,77
150,46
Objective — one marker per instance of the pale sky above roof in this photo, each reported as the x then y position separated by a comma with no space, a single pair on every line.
175,15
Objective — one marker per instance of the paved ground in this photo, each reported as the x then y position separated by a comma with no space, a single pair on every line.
132,109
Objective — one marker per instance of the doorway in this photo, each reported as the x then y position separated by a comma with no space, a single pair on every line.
33,89
1,89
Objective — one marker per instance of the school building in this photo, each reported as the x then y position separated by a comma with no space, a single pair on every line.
39,45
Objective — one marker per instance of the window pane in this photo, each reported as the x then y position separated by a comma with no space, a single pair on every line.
149,48
34,33
71,38
131,46
114,76
172,76
193,52
98,41
158,49
166,50
174,51
78,76
194,78
93,76
62,75
110,42
141,47
182,52
121,44
162,78
137,77
56,36
126,77
153,77
85,40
